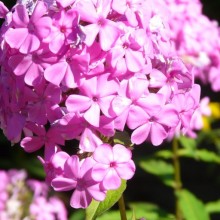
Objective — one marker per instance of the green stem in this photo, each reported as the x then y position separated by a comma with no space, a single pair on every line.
177,177
122,208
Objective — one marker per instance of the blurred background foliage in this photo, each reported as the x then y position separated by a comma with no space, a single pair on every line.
150,193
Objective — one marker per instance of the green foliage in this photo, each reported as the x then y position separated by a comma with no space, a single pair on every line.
96,208
213,207
140,210
191,207
160,168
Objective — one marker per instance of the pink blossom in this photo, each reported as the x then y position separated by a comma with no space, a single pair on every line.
3,10
77,175
29,32
64,30
113,164
93,100
96,12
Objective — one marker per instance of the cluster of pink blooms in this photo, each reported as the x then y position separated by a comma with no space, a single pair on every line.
84,70
196,39
27,199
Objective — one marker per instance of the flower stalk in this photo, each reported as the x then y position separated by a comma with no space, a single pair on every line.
122,209
177,177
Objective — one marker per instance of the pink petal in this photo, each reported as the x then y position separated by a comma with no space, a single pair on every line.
39,11
16,42
108,35
157,134
3,10
134,91
126,170
30,44
136,117
121,153
106,86
72,167
57,42
111,180
92,115
55,73
20,16
33,75
140,134
19,64
134,60
69,79
87,11
31,144
43,27
63,184
103,154
78,103
80,199
91,32
99,171
89,141
95,192
168,116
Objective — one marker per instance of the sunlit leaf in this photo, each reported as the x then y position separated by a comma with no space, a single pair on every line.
78,214
150,211
159,168
187,143
97,208
165,154
191,207
213,207
202,155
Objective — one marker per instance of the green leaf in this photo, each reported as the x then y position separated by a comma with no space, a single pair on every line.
78,214
113,215
203,155
97,208
213,207
165,154
187,143
150,211
191,207
159,168
142,210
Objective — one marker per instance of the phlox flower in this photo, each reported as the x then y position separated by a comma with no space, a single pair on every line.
152,122
28,31
96,12
32,65
77,176
49,139
129,8
93,99
68,69
54,165
128,95
186,104
44,105
128,51
113,164
64,31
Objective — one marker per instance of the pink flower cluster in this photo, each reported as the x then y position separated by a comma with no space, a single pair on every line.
22,198
84,70
196,39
